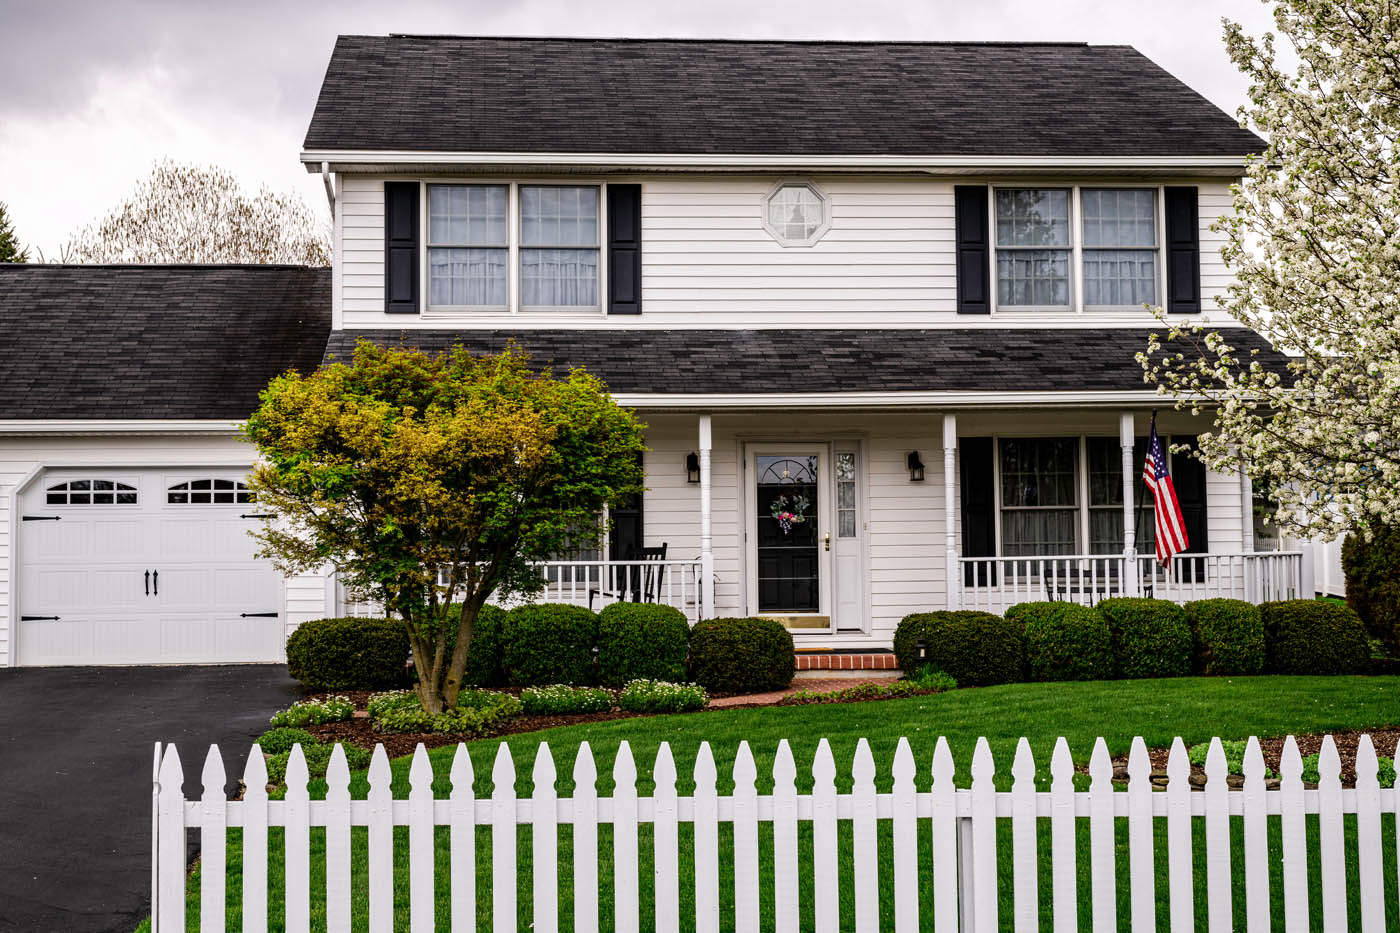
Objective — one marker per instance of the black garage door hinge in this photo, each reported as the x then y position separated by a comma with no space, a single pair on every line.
257,615
258,515
38,618
42,518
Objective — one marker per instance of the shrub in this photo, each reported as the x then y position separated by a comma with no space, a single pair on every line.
1228,636
896,690
549,643
1064,641
1234,755
348,654
561,699
1373,581
279,740
478,713
1313,636
484,654
318,759
1385,773
658,696
976,648
314,712
741,655
1151,637
641,641
931,679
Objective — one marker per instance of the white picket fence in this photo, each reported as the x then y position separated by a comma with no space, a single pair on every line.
963,824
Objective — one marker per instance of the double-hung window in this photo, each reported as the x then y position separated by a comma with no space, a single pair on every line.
558,246
1120,246
1033,247
1039,496
468,246
1106,498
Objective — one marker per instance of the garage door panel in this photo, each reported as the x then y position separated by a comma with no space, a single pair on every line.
118,588
57,589
116,539
128,640
249,589
58,540
56,641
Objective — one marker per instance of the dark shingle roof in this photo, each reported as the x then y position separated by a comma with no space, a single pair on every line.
139,342
453,93
804,361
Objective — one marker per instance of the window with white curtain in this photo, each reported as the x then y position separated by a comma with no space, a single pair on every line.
468,246
1106,498
558,246
1120,246
1039,496
1033,247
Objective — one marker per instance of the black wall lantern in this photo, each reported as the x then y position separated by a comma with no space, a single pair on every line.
692,468
916,467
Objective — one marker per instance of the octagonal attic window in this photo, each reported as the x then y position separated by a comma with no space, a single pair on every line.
796,214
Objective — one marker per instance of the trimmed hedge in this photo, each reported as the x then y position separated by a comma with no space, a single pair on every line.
641,641
484,653
1151,637
1314,636
976,648
741,655
1373,581
1228,636
1064,641
549,643
348,654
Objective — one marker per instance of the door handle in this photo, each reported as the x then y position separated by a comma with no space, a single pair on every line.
148,583
155,582
828,541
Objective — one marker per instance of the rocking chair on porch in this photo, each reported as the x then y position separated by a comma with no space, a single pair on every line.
638,582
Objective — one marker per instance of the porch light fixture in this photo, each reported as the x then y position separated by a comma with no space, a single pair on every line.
692,468
916,467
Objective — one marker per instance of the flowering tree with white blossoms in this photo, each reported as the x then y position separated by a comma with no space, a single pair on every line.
1315,242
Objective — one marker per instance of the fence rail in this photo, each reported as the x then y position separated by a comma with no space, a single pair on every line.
962,823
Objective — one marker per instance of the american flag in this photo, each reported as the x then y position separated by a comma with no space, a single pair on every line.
1171,527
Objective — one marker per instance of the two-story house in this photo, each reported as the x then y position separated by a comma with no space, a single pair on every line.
878,304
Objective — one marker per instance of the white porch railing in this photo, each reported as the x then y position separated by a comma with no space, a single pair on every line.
994,584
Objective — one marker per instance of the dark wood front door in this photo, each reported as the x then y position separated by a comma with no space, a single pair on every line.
788,547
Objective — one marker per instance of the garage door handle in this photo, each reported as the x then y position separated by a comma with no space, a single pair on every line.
38,618
155,582
258,515
257,615
148,583
42,518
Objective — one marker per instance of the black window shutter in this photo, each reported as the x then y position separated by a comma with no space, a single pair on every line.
624,249
1183,252
401,247
974,249
625,538
1189,480
979,518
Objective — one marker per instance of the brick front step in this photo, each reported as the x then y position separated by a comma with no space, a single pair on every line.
842,661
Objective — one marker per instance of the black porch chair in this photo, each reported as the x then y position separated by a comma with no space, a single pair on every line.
640,583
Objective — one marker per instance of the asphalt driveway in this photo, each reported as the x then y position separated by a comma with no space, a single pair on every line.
75,778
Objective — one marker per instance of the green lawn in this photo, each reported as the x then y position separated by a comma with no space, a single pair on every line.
1194,708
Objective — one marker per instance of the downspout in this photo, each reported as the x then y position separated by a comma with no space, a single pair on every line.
330,185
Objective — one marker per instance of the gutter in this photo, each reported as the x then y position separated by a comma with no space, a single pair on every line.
132,427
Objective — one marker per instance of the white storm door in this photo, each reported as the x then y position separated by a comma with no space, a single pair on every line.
789,533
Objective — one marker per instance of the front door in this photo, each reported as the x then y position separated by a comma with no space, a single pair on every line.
790,534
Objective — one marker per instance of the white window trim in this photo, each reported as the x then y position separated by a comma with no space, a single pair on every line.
1076,272
817,234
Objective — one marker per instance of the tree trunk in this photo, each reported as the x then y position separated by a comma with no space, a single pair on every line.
456,669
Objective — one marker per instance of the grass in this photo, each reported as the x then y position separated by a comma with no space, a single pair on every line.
1194,708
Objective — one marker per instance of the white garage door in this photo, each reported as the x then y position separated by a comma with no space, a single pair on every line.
143,567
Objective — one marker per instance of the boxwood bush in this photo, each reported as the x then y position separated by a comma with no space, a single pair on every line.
1151,637
976,648
1227,636
549,643
1064,641
641,641
1373,581
348,654
1314,636
741,655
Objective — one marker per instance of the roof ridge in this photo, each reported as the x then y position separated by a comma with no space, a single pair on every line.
731,40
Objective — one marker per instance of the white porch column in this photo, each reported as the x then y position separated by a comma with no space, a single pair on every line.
1127,432
1251,585
707,543
952,579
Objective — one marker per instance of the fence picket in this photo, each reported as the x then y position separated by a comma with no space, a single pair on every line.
381,843
745,840
296,838
1178,838
503,838
1063,867
826,892
1330,837
706,843
155,836
984,839
213,844
625,893
786,908
1102,885
171,842
1294,827
666,843
255,842
420,842
1368,838
461,841
1256,841
945,841
1219,911
544,842
906,841
865,852
1025,866
585,841
338,841
1142,880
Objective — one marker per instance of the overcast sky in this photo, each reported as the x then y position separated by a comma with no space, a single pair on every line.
91,93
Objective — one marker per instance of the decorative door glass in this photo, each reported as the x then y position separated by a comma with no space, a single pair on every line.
788,556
